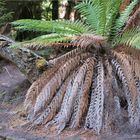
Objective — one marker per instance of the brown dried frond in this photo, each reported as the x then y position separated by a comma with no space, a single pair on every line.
132,19
94,118
89,40
65,45
122,58
124,4
65,57
55,82
55,104
58,123
132,107
68,106
35,46
37,86
133,55
84,97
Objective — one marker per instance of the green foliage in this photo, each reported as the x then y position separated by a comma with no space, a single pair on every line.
61,27
47,10
5,16
86,8
49,39
130,38
120,22
100,17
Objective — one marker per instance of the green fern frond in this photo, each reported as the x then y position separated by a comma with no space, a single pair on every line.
90,13
99,14
60,26
111,14
100,18
46,41
130,38
124,16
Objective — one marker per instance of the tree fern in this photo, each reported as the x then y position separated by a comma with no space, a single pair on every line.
92,84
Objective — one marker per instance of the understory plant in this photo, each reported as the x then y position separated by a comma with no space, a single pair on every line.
5,16
95,85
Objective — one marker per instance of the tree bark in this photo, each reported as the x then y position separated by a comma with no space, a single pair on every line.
69,9
55,7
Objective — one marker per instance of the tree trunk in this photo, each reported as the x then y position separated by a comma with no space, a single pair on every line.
55,7
69,9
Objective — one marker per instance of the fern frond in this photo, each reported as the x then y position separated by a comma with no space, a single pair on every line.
51,87
124,16
60,26
84,97
45,41
111,13
95,112
55,105
60,120
132,19
36,88
120,73
69,106
90,13
133,56
89,40
124,4
65,57
129,38
122,59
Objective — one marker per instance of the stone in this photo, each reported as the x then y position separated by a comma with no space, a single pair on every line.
1,127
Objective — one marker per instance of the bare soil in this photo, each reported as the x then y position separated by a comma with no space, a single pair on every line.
13,87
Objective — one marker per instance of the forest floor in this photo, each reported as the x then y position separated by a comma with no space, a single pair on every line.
13,87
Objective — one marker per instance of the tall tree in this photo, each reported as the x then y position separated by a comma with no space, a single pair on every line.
69,8
55,9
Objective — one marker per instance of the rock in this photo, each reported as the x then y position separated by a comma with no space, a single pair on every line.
1,127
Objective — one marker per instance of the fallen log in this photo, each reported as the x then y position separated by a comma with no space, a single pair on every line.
28,62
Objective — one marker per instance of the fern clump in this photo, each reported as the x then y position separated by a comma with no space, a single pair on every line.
96,84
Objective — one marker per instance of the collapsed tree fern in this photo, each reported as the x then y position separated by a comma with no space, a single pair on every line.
95,85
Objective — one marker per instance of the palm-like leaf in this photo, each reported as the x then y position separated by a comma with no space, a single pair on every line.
62,27
124,16
130,38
